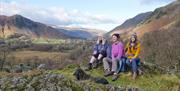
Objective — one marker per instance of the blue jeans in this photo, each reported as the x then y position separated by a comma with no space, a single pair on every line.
133,64
121,65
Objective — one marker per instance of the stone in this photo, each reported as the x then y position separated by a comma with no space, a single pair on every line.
81,75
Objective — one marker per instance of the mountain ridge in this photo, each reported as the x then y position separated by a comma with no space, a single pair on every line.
19,24
154,20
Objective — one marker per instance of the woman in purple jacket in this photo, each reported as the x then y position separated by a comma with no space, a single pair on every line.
117,52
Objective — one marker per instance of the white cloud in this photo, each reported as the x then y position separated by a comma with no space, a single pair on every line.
154,1
57,15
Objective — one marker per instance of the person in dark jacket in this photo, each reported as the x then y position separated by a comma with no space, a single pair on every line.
99,52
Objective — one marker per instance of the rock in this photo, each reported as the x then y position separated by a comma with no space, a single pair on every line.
17,69
7,69
101,80
29,88
27,68
42,66
80,74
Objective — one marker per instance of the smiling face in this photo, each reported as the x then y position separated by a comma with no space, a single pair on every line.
114,38
133,39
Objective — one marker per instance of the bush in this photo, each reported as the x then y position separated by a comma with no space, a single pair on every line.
162,48
41,47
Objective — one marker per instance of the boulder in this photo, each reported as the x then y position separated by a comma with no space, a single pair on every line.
81,75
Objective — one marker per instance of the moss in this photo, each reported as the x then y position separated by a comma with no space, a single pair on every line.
146,82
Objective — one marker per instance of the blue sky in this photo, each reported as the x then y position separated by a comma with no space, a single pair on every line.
100,14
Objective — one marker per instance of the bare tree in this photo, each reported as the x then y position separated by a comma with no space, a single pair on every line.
4,49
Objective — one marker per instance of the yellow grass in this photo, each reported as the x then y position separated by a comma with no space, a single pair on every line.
26,55
28,73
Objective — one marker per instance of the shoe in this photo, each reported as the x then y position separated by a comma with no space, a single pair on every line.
89,67
108,73
115,77
134,75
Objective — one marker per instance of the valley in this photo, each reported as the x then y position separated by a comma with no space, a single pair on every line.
35,56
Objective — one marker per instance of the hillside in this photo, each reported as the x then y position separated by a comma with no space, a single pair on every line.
160,18
130,23
63,80
150,21
18,24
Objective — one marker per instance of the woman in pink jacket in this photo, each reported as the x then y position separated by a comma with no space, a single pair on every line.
117,53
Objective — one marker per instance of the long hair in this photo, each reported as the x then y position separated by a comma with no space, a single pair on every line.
135,42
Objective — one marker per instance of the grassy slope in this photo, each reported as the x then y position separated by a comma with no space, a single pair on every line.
147,82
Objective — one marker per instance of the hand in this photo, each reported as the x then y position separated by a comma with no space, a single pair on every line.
130,60
129,54
95,52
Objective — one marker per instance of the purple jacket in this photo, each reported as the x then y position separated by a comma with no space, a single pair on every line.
117,50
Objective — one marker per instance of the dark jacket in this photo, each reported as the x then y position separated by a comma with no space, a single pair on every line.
101,48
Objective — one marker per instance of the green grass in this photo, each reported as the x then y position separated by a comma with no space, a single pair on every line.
146,82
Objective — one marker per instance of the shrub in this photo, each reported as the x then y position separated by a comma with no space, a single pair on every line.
162,48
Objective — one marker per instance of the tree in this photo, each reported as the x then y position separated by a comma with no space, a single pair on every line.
4,49
4,52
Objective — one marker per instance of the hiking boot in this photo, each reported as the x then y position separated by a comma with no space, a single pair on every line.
108,73
134,75
89,67
115,77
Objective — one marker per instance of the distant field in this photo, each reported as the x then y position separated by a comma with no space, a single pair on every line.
21,56
47,41
55,41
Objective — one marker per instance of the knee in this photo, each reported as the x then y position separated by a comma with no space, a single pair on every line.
123,60
93,57
104,59
133,61
115,60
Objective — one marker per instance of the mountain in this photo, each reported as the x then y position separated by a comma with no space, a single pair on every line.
150,21
18,24
133,21
130,23
162,17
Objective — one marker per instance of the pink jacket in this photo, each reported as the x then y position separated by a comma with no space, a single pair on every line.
117,50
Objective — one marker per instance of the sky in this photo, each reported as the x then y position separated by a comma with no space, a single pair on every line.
98,14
